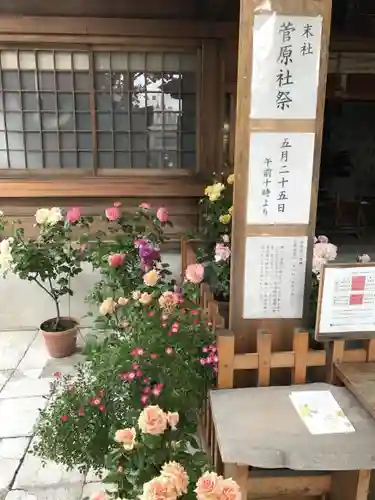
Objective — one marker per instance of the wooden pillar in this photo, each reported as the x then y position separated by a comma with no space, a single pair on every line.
283,58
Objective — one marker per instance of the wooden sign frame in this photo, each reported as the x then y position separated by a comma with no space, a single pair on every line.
245,329
343,335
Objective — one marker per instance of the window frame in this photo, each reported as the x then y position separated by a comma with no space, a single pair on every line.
96,34
97,171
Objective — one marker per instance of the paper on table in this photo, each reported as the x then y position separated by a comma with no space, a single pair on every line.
320,412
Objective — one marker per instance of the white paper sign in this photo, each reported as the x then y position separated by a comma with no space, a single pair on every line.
285,75
348,300
280,178
320,412
274,277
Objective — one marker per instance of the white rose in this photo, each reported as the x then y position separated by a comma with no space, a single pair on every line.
5,262
5,246
42,215
55,216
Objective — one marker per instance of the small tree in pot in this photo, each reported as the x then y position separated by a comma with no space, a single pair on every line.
50,260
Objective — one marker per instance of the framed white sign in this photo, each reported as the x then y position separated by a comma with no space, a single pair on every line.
280,178
285,72
346,306
274,280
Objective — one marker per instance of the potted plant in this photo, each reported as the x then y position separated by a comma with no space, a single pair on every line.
50,260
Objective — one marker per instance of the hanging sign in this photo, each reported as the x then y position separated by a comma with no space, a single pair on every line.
274,277
346,307
280,178
285,73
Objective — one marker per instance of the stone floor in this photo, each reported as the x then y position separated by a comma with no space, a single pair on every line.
25,374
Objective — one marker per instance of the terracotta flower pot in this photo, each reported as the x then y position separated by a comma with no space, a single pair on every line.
62,343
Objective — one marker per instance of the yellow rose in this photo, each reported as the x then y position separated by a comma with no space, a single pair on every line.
214,192
225,219
230,211
230,179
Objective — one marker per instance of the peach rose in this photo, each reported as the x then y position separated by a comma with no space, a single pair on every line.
176,474
122,301
209,486
145,298
194,273
159,488
173,419
126,437
168,300
151,278
136,295
152,420
230,490
108,306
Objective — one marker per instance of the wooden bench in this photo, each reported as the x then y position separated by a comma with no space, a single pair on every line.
256,436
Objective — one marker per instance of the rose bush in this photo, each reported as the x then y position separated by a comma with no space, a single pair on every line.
128,247
214,251
149,463
158,351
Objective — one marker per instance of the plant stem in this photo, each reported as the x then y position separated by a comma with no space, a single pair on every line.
56,300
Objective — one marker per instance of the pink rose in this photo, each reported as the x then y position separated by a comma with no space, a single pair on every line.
176,474
194,273
116,259
162,215
145,206
126,437
230,490
140,242
222,252
209,486
173,419
99,495
152,420
117,204
112,213
159,488
73,214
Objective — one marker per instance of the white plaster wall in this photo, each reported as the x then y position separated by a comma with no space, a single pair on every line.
23,306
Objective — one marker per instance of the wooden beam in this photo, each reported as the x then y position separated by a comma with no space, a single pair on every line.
249,123
31,25
91,187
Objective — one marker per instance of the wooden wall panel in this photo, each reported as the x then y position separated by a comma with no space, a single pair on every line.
223,10
183,211
113,8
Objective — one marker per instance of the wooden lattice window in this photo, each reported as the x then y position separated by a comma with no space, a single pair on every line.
87,111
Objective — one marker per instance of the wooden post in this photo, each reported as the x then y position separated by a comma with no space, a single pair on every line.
275,62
